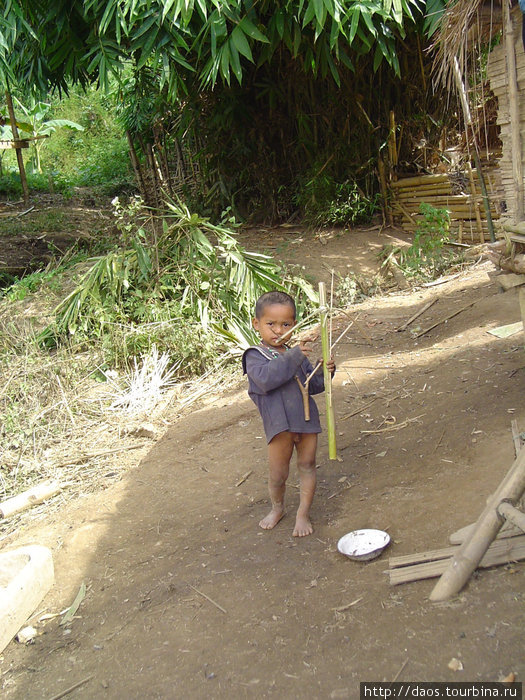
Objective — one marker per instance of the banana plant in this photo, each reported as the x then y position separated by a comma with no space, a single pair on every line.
35,125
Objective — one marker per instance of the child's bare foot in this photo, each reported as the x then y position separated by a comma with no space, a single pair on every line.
303,526
272,518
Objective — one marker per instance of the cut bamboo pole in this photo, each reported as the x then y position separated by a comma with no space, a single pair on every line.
488,525
463,533
512,515
330,419
514,110
29,498
418,180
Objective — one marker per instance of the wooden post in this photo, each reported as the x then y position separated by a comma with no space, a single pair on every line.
471,552
19,157
514,110
330,420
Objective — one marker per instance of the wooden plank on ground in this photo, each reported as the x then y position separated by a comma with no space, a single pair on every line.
500,552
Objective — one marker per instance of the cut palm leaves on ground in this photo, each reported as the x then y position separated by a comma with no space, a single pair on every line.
194,275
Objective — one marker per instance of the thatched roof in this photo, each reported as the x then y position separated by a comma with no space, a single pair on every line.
465,23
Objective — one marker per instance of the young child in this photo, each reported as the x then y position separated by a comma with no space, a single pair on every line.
273,368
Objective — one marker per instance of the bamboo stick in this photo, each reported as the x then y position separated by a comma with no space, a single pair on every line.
29,498
488,525
330,419
405,325
447,318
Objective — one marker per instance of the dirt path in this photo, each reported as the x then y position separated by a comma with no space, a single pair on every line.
188,598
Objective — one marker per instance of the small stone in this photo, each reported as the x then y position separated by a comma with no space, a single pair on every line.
455,664
26,635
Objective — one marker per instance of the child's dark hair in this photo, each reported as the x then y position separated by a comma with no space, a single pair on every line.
273,298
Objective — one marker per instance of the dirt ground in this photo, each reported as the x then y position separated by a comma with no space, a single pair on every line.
187,597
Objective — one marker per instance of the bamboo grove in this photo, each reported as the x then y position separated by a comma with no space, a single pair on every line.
269,107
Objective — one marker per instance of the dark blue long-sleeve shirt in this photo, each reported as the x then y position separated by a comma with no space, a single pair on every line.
274,390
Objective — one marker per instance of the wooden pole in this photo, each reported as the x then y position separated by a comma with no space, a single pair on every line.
514,110
330,420
19,157
471,552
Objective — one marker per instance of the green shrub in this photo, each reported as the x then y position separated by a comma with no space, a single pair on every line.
326,202
427,257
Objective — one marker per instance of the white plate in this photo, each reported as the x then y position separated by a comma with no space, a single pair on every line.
363,544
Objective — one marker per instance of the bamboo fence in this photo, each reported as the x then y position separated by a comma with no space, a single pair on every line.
458,192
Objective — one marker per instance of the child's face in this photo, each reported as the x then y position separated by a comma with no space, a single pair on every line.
276,319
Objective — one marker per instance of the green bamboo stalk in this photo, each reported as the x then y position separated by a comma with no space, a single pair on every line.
330,420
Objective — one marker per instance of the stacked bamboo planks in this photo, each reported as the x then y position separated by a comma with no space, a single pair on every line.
459,193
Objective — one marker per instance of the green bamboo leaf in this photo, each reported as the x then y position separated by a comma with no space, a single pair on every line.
167,5
433,13
235,62
107,17
354,24
203,8
309,14
369,23
251,30
398,11
238,38
279,22
320,12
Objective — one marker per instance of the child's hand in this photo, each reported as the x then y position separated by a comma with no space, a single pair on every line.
304,345
330,365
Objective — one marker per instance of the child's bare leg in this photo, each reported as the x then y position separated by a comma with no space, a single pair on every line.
306,450
280,451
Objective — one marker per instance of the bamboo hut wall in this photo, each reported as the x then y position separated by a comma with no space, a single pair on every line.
497,74
451,192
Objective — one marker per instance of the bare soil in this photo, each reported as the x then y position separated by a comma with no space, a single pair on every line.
187,597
